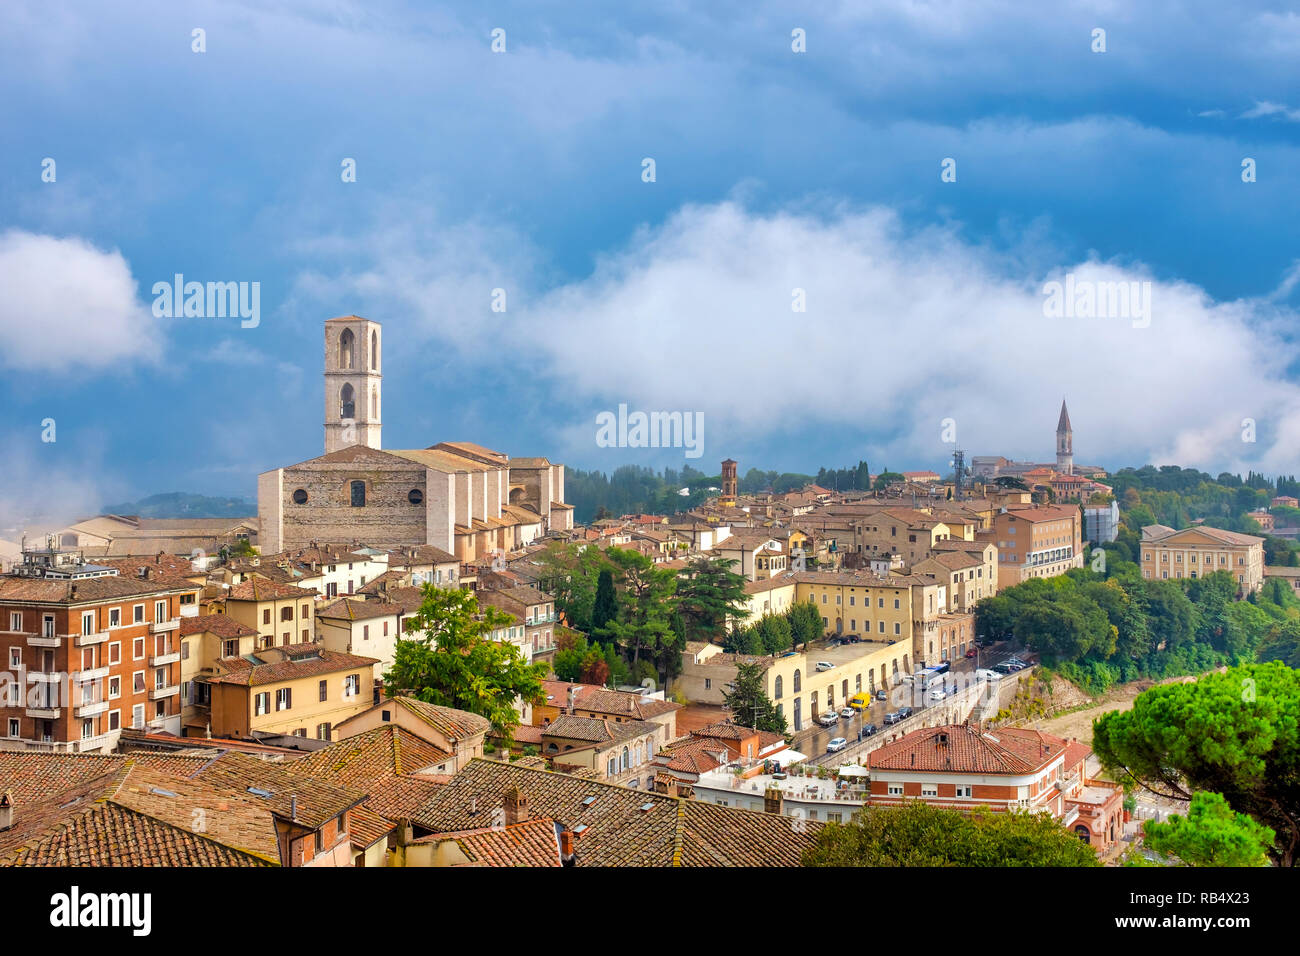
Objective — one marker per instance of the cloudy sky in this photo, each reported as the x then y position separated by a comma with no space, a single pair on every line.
522,170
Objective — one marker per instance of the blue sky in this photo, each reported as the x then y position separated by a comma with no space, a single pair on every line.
521,170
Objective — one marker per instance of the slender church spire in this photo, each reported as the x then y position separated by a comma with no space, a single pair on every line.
1064,443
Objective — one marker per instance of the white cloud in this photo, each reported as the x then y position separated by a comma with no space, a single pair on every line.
1265,108
903,329
67,304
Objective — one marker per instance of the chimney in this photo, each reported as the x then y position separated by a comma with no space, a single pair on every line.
6,810
567,856
773,800
516,807
293,808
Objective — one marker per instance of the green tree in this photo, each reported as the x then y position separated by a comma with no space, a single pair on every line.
569,572
451,660
1212,834
1236,733
749,703
774,634
918,834
643,625
805,622
605,604
708,592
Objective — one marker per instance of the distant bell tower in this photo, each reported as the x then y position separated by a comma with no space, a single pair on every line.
1064,443
729,481
353,382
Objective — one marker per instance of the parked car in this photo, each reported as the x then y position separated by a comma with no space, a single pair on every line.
836,745
905,712
985,673
892,717
938,693
847,712
972,653
881,695
860,701
828,718
869,729
825,666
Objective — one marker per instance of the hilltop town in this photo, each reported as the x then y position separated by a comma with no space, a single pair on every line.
827,655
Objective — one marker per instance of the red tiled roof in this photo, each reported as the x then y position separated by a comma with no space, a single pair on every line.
222,625
962,748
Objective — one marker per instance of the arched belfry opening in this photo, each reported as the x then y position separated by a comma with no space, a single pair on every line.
353,383
347,346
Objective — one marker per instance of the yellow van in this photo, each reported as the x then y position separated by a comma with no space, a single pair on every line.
860,701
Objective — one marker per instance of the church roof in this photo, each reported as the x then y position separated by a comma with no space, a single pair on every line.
1064,424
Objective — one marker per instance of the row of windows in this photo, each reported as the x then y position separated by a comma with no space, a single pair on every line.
286,613
89,619
89,655
839,599
629,758
1191,558
1146,573
284,696
357,495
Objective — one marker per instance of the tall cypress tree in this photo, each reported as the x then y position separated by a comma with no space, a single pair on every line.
606,606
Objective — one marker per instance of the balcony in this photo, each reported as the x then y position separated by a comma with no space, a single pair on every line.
92,673
162,660
86,640
81,745
44,713
44,677
91,709
161,693
1071,815
164,626
44,640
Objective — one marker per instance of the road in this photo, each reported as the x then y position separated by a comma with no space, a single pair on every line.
812,740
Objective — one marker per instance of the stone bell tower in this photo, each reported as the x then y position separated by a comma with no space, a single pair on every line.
1064,443
353,381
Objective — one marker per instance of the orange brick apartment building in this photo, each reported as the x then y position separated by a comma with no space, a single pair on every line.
87,651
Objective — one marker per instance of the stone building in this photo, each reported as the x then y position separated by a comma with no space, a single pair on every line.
457,496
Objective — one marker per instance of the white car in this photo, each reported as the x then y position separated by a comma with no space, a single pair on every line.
836,745
828,718
825,666
938,693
